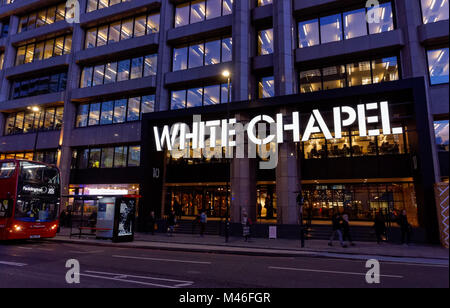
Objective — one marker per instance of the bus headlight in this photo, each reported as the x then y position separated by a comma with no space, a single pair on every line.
17,228
53,227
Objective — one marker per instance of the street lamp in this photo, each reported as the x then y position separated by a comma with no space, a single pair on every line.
227,74
35,109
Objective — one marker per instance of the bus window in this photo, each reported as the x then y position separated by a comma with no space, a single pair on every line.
5,206
7,170
38,173
35,210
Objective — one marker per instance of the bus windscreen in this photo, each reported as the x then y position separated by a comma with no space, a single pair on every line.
7,170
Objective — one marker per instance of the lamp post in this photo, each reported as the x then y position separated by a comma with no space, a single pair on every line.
35,109
227,75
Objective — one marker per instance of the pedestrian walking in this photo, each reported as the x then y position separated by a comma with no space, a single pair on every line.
203,222
151,223
171,222
380,227
346,235
246,224
405,227
336,221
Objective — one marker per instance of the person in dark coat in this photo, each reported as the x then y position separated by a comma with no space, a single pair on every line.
380,227
405,227
171,222
336,221
346,230
151,223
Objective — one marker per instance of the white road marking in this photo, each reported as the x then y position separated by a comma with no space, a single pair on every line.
125,278
86,252
12,263
163,260
26,248
328,272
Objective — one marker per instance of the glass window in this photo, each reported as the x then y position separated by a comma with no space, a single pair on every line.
29,53
308,32
120,157
83,159
23,24
99,72
339,147
59,46
107,113
434,10
91,38
227,51
264,2
134,104
86,77
9,126
178,100
49,118
136,68
123,70
198,11
29,122
61,12
94,158
182,15
438,65
359,74
441,134
134,156
51,13
266,87
330,28
92,5
310,81
140,25
120,111
48,51
392,144
54,81
224,93
110,72
355,24
213,8
41,18
315,147
385,69
227,8
18,126
127,29
102,36
148,104
31,21
114,33
153,23
265,42
68,44
94,114
180,59
59,117
195,97
196,55
107,157
363,146
20,58
150,65
211,95
212,52
334,77
384,11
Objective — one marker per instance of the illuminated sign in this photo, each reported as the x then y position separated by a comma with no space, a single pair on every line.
106,191
223,133
50,190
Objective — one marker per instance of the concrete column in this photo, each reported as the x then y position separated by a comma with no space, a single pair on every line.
73,77
287,175
164,55
9,58
2,122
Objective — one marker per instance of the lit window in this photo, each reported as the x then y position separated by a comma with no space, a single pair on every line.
334,77
385,69
211,95
198,11
196,54
434,10
178,100
330,28
180,59
264,2
94,114
308,33
213,9
266,87
384,11
359,73
120,108
265,42
107,113
134,104
182,15
310,81
212,52
355,24
438,65
195,97
441,134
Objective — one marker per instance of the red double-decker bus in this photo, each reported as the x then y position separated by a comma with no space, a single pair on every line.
30,195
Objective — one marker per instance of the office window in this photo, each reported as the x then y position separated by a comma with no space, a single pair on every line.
198,11
266,87
213,9
120,157
46,16
310,81
264,2
441,135
153,23
227,49
147,104
94,114
265,42
110,72
195,97
123,72
120,111
126,31
330,28
82,116
140,26
49,121
178,100
180,59
224,96
438,65
134,104
134,156
102,36
94,158
212,52
196,55
211,95
43,50
48,49
227,7
29,53
114,33
36,86
94,5
107,158
99,72
137,65
150,65
334,77
182,15
18,125
107,113
434,10
355,24
385,69
86,77
384,11
308,33
91,38
359,73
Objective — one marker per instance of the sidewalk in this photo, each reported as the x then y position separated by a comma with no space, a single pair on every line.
279,247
